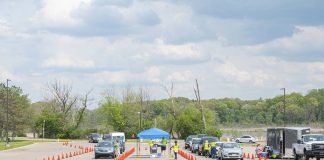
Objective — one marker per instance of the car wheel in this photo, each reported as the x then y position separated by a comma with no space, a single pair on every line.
250,141
295,155
96,156
199,153
317,158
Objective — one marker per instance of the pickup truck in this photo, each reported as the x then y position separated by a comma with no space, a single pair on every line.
309,146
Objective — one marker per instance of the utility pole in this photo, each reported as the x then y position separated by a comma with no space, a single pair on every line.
284,113
197,93
43,129
7,139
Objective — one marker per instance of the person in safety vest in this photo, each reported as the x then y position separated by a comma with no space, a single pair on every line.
175,148
163,145
116,147
213,150
151,143
206,148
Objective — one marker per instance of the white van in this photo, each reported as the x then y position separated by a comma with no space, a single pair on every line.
118,136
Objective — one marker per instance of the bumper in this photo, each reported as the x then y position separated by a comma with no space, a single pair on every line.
107,154
232,156
315,153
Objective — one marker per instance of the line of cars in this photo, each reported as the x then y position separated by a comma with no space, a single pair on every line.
106,143
225,150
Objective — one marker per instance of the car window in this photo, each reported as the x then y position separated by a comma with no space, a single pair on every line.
231,145
245,137
105,144
188,139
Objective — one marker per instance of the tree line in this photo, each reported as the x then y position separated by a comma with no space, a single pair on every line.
64,114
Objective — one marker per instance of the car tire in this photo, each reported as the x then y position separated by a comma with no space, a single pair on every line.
317,158
96,156
250,141
296,157
199,153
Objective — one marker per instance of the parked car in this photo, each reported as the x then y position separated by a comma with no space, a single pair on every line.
105,149
203,140
230,150
309,146
194,146
188,141
116,136
94,137
246,139
201,135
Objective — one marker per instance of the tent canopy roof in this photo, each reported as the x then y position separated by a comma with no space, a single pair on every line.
153,133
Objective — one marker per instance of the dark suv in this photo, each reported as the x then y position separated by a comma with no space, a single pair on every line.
202,142
94,137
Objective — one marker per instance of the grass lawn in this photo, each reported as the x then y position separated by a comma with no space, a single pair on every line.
19,143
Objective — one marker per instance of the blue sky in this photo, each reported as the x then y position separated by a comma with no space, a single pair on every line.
245,48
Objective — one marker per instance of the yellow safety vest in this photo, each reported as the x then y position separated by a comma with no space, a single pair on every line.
151,143
164,142
206,146
213,144
175,147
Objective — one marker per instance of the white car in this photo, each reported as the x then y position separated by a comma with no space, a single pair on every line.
230,150
246,139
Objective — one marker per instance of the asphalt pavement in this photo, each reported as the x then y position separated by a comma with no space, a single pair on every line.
46,151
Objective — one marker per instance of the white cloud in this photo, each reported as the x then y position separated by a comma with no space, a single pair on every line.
113,78
153,74
68,62
59,12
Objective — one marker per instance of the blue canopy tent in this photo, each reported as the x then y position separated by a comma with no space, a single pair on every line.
153,133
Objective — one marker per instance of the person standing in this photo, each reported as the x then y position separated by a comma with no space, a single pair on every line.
213,150
163,145
175,148
151,143
206,148
116,147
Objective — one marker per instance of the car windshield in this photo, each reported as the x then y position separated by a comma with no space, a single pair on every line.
230,145
211,139
107,136
95,135
309,138
119,138
105,144
196,141
188,139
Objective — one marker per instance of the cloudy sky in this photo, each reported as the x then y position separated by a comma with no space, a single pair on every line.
244,48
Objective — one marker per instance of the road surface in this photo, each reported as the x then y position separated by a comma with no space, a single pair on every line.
46,150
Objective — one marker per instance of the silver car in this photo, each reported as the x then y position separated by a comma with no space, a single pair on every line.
105,149
230,150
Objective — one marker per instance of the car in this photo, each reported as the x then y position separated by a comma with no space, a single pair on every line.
194,145
105,149
246,139
201,135
309,146
116,136
203,140
230,150
188,141
94,137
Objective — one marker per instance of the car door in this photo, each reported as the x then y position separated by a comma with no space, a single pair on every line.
244,139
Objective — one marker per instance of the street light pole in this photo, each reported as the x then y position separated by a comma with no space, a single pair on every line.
43,129
284,118
7,139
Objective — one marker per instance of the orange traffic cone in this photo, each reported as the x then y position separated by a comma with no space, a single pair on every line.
74,154
53,158
265,157
48,158
252,156
62,156
58,157
71,154
244,156
248,156
66,155
260,158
